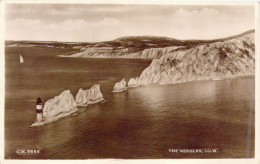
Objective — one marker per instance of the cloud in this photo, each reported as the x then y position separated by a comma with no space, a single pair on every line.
92,23
204,13
195,18
67,30
21,28
68,25
20,22
210,23
78,24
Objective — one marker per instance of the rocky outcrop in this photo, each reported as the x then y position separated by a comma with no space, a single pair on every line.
58,107
120,86
120,52
223,59
133,82
89,96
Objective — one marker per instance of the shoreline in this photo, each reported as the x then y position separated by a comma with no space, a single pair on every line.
194,81
117,57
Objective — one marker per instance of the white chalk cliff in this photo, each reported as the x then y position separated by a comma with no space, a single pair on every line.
120,86
216,60
108,52
133,82
58,107
89,96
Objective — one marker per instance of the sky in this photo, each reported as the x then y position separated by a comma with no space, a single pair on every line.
94,23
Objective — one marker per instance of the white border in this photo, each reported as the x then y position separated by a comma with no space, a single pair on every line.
2,80
163,2
148,2
257,82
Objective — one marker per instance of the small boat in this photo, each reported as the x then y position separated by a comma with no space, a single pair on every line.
21,59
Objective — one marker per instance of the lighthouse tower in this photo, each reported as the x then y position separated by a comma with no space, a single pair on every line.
39,109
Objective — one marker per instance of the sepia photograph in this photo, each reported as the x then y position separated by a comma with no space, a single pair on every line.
129,81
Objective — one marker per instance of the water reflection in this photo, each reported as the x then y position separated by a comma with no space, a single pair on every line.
141,122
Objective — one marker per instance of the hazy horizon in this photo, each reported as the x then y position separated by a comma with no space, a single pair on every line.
97,23
127,36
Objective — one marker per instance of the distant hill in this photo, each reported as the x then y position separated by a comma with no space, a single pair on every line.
174,61
142,46
224,58
129,47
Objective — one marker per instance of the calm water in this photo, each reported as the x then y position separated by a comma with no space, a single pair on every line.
141,122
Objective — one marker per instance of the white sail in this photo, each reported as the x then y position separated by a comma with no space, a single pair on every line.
21,59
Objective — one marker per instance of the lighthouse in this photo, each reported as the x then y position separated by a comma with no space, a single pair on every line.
39,109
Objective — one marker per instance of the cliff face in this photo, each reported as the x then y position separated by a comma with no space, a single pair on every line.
108,52
222,59
144,46
126,47
89,96
65,104
59,106
120,86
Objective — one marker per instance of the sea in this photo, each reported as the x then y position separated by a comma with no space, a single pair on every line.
203,119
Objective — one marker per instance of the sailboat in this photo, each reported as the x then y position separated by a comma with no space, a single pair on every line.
21,59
